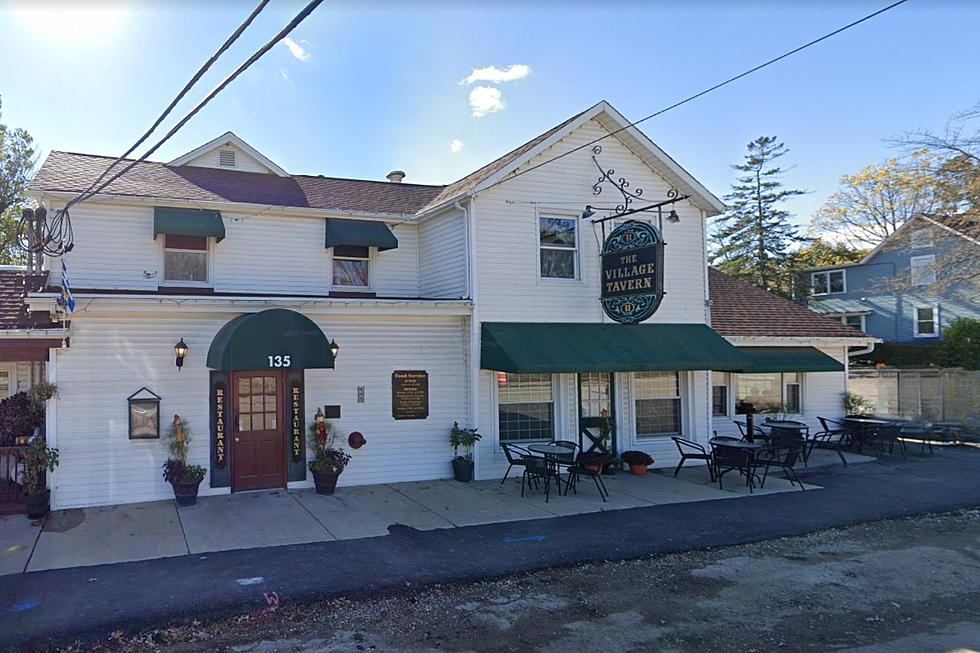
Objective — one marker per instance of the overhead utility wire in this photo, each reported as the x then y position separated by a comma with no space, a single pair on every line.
837,31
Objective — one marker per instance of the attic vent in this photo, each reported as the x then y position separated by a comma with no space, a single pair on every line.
226,158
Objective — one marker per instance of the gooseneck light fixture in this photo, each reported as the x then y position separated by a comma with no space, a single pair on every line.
334,348
180,349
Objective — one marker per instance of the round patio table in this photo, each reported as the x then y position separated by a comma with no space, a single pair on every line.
786,425
861,430
549,450
737,444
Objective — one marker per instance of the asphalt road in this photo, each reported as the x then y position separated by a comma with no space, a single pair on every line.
93,601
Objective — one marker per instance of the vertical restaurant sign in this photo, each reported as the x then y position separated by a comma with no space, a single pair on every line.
296,419
410,394
220,452
632,272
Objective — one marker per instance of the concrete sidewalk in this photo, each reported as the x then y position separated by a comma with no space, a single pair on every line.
146,531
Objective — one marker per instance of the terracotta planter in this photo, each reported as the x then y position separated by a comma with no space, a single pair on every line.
185,492
325,482
638,470
462,470
38,505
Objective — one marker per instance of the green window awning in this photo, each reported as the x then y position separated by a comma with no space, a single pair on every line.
546,347
247,342
188,222
359,233
789,359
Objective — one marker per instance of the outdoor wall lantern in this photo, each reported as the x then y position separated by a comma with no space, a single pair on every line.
144,415
334,348
181,350
672,217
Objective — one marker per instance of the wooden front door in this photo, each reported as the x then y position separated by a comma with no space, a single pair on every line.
259,458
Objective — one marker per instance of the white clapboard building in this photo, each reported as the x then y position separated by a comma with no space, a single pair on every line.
477,302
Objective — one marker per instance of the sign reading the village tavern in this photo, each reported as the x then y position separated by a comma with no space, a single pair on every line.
632,272
220,454
410,394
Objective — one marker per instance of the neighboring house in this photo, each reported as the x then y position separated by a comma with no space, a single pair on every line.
26,338
910,287
489,285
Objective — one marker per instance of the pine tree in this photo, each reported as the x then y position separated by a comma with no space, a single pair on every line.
755,236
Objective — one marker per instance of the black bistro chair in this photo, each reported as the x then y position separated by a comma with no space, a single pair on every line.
885,437
729,459
787,450
833,436
579,469
536,469
515,457
692,451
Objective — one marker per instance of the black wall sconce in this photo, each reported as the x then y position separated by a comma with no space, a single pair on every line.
180,349
334,348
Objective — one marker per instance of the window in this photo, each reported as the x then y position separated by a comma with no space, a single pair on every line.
827,283
923,270
185,260
926,325
658,403
526,407
719,394
558,238
921,238
351,266
854,320
771,392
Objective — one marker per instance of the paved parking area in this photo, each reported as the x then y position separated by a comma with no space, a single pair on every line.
159,529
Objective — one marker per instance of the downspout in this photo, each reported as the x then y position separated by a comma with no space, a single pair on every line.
469,212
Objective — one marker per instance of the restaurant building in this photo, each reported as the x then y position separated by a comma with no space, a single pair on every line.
521,300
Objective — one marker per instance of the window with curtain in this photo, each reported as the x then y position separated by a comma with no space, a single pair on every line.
769,392
525,407
719,394
657,400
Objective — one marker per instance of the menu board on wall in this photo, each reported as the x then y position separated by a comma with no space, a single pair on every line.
410,394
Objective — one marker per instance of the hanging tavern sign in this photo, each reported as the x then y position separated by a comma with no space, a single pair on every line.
632,272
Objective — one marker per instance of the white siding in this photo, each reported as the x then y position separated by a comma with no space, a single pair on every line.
397,273
442,255
507,238
243,161
113,356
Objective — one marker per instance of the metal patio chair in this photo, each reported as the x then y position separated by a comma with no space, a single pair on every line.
692,451
787,450
831,437
515,457
578,469
539,469
729,459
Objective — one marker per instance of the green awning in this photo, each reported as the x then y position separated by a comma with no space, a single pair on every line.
272,339
553,347
789,359
359,233
188,222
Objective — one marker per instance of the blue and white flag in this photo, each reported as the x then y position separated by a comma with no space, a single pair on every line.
67,299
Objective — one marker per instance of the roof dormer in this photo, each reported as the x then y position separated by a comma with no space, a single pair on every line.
229,152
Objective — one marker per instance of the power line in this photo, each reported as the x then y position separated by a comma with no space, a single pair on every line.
691,98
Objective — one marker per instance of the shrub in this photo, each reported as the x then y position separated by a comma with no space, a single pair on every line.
19,416
961,344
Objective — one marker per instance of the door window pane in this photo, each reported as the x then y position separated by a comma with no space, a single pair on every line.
595,394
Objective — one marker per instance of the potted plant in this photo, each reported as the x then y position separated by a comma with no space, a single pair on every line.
328,462
592,460
39,459
183,478
638,461
465,439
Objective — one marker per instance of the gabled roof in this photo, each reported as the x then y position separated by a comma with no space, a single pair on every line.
612,121
229,138
72,173
14,286
965,227
741,309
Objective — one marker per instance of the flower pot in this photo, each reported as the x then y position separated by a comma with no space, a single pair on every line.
185,492
591,462
38,505
463,470
325,482
638,470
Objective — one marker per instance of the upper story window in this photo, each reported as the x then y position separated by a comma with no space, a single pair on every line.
922,270
827,282
352,266
855,320
185,260
925,324
921,238
558,239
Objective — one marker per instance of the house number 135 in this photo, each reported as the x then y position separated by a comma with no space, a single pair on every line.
279,361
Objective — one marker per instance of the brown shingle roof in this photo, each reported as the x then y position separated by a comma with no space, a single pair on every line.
14,286
71,172
741,309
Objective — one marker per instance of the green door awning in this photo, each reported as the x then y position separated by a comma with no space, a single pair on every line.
789,359
359,233
273,339
188,222
546,347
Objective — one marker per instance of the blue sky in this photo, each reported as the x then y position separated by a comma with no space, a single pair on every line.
377,86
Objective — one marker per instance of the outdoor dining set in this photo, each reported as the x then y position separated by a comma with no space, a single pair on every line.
544,463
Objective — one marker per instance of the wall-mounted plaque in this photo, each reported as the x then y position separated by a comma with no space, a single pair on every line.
410,394
144,415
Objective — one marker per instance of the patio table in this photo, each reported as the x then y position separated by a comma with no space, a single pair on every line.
752,448
553,455
863,429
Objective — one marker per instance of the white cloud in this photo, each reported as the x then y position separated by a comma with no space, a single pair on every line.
295,49
456,146
486,99
496,75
